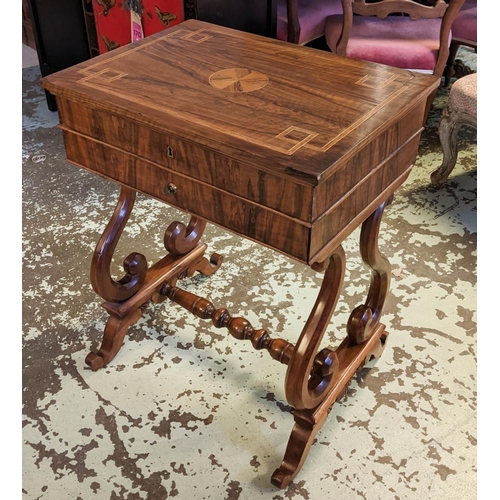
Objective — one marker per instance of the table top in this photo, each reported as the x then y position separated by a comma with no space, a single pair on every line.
289,146
297,110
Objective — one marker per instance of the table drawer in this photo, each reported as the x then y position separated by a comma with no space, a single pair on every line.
357,168
251,220
242,179
358,204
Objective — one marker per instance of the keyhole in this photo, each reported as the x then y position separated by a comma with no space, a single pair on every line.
170,152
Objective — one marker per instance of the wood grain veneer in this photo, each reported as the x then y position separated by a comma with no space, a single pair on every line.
289,146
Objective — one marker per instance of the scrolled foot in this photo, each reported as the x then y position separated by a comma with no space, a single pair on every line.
114,334
307,424
205,266
281,477
94,361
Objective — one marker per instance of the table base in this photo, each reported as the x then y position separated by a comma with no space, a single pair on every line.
314,380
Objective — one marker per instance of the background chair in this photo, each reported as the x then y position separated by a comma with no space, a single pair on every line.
419,39
464,32
408,34
302,21
460,110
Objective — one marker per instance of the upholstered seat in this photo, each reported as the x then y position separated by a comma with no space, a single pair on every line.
404,34
461,110
311,15
417,41
407,34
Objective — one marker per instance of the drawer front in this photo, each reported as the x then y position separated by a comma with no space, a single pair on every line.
243,179
346,215
355,169
251,220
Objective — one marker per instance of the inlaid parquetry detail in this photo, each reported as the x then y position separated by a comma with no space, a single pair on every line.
197,36
281,131
107,75
375,82
238,80
298,135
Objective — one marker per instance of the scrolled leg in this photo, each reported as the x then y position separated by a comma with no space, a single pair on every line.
365,318
125,298
310,374
135,265
350,357
449,125
314,381
448,133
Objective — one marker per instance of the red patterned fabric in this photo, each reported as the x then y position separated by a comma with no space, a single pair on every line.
161,14
112,20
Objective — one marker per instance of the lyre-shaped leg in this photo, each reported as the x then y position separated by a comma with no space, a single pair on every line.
310,376
315,381
308,379
309,421
125,298
135,265
365,318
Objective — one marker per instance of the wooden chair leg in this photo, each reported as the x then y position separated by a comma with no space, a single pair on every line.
448,131
448,70
428,105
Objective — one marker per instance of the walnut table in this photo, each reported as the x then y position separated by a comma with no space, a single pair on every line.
288,146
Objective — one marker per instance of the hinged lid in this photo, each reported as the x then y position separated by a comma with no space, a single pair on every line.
297,111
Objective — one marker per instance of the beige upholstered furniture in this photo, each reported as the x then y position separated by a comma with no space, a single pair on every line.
461,110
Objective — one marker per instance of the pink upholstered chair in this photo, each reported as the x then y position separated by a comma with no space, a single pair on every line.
409,34
419,40
461,110
302,21
463,32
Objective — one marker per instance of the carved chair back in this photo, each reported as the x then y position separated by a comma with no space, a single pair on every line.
411,34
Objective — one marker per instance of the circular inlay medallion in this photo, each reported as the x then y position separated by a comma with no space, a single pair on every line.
238,80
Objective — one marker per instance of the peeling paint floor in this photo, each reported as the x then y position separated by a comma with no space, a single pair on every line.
185,410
